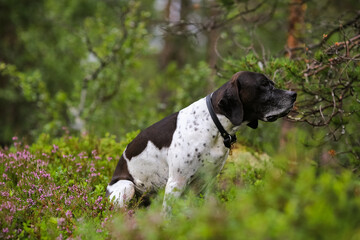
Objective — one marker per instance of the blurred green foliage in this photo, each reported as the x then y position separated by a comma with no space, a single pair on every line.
94,66
56,188
78,79
74,46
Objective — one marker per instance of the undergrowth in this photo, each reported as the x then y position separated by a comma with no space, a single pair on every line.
55,188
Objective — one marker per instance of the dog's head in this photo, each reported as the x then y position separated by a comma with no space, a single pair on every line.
249,97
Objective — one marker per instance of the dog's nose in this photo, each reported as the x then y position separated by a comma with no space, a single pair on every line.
293,96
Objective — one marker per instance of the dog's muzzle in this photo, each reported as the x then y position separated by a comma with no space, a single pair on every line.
274,117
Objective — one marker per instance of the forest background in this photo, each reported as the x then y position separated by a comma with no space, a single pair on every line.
80,78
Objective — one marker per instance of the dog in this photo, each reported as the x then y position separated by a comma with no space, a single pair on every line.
187,149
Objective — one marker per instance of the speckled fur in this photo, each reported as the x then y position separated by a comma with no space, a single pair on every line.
196,148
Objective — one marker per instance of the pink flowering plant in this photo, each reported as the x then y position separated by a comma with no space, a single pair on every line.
50,188
55,189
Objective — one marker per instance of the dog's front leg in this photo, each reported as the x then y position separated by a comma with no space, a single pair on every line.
175,186
121,192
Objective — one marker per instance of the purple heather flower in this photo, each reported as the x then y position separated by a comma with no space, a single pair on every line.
61,221
60,237
30,201
55,148
67,201
5,176
68,214
5,194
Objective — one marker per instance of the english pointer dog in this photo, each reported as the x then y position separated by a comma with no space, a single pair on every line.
189,148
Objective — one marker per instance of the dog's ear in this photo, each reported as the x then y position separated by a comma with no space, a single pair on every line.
253,124
231,104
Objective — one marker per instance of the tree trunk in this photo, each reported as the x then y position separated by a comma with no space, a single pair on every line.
175,46
212,57
296,25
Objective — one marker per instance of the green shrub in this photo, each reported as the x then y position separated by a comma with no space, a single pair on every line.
51,187
55,188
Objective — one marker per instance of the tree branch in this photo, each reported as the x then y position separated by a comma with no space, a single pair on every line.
335,30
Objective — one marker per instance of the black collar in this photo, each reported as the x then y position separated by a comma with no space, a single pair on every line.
228,139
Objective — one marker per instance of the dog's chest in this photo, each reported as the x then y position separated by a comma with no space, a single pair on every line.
196,134
196,152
